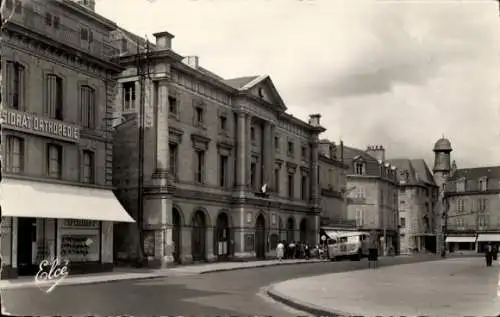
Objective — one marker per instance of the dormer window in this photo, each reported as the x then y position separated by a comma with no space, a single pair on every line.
359,168
483,184
461,185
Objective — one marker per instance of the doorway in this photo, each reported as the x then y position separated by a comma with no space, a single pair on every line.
222,236
176,234
260,233
198,236
26,246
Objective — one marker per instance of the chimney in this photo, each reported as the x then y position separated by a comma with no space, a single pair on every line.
314,120
377,151
164,40
192,61
89,4
333,151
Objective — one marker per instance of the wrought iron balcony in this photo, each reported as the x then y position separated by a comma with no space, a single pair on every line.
53,28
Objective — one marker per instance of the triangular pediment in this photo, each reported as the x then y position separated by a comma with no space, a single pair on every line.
263,88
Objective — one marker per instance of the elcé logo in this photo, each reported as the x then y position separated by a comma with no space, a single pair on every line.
51,274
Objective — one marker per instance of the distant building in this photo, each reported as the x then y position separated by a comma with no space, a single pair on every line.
473,205
418,197
332,181
372,187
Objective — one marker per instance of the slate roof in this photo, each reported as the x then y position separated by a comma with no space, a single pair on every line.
416,171
239,82
491,172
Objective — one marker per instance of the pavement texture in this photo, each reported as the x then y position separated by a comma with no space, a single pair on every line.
120,274
226,293
451,287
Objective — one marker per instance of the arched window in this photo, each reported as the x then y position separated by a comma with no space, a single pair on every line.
87,107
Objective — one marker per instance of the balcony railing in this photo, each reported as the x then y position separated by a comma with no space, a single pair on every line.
61,32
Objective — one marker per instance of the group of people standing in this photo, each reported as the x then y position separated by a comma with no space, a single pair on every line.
293,250
491,254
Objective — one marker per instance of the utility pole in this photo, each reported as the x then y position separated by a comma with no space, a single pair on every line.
142,60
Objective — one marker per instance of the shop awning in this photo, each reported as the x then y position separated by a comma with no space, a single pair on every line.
20,198
331,234
488,237
458,239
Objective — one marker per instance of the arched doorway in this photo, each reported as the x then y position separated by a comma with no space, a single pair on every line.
290,230
260,237
303,230
176,234
198,236
222,236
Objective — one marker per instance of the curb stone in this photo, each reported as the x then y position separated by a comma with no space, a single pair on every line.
259,266
297,304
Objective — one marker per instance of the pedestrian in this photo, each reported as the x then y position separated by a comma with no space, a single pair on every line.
308,251
489,255
291,248
372,252
495,252
280,251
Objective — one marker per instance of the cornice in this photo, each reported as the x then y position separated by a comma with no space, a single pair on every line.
34,41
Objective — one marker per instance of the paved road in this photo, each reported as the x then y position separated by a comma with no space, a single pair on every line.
223,293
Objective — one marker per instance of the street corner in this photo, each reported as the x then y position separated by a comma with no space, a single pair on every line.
294,302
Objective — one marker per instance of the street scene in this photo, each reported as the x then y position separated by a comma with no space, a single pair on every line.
338,159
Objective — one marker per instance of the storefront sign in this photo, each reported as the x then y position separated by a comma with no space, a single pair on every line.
30,123
81,223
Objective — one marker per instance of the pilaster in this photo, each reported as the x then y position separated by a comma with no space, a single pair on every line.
241,150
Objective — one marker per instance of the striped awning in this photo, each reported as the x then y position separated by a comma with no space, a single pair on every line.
458,239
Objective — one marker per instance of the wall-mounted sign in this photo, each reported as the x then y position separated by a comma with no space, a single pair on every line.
30,123
80,223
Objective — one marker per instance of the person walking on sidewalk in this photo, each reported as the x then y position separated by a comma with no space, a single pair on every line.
489,254
280,251
372,251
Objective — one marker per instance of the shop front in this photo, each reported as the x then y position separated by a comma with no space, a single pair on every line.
461,243
44,221
483,239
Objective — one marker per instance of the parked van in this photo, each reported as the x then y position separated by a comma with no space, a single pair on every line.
348,244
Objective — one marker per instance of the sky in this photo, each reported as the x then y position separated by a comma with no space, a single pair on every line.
395,73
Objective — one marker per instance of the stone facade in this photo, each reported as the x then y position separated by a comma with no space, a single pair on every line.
418,199
332,181
210,146
373,193
41,41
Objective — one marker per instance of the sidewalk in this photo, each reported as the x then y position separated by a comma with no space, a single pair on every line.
120,274
451,287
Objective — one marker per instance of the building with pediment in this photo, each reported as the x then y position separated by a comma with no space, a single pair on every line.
372,191
227,171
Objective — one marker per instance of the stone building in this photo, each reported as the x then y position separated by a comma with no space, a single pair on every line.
473,203
332,181
418,197
227,172
57,93
372,187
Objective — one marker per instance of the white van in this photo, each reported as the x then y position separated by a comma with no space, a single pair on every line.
348,244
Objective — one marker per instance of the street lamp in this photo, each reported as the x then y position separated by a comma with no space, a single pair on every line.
445,225
265,194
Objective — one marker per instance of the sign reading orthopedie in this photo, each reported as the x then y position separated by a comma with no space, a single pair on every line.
31,123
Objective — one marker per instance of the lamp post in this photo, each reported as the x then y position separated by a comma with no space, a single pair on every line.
445,225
